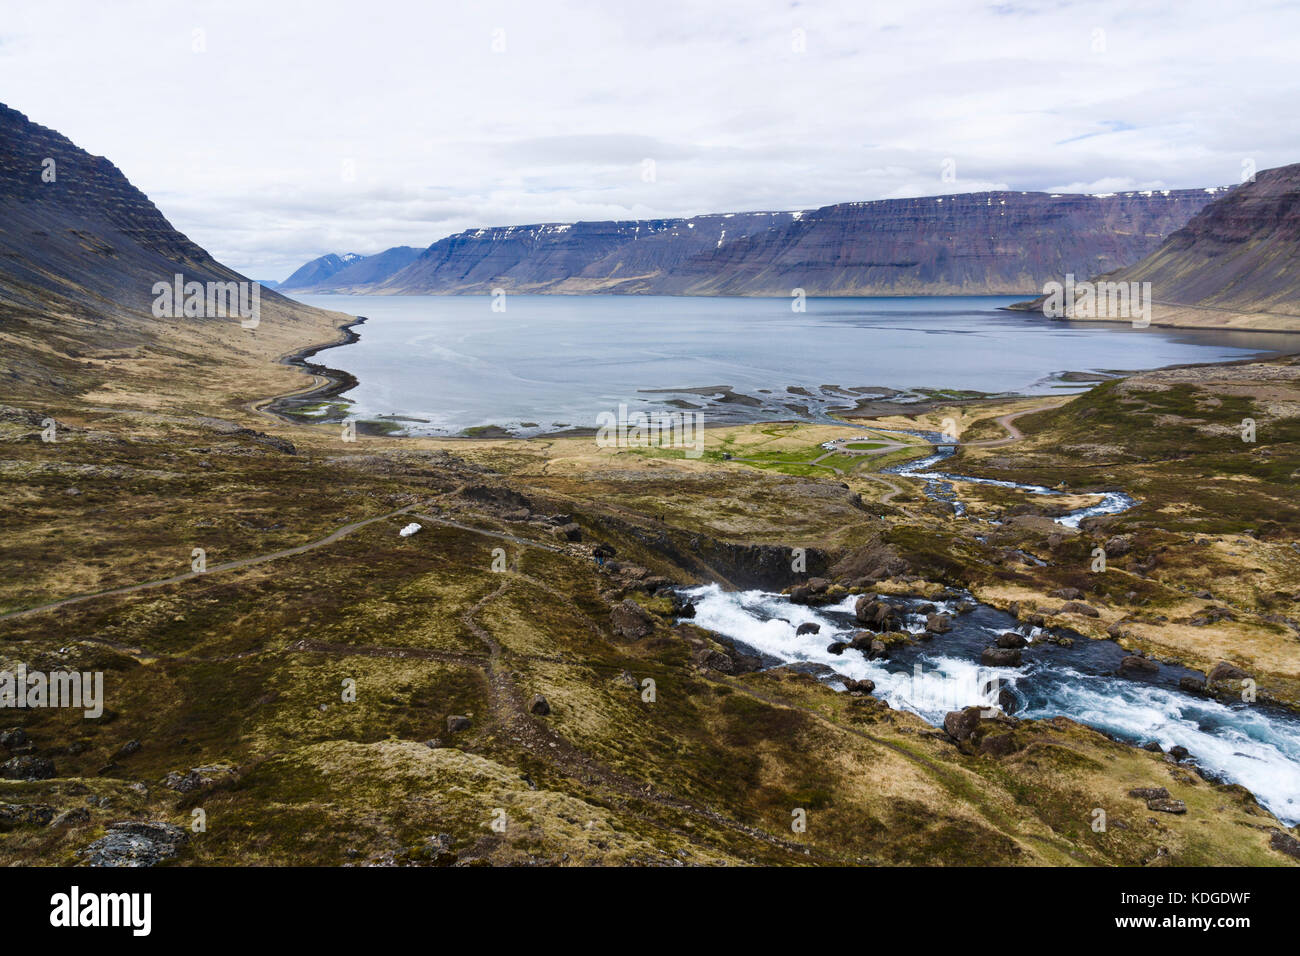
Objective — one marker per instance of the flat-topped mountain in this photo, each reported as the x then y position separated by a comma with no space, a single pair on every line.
973,243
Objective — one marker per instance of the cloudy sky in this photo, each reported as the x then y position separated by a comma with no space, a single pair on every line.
272,131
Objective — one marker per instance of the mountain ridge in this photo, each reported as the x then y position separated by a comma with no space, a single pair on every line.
1003,242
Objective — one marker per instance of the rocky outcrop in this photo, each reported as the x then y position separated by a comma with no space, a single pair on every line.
631,621
135,843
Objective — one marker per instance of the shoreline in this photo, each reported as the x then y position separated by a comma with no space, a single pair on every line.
337,382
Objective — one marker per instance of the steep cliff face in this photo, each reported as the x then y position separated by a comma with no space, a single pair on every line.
636,256
75,232
1004,242
80,252
1240,253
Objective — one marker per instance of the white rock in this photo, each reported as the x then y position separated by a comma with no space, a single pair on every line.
409,530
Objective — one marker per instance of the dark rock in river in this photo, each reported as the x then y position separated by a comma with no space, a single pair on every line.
1000,657
808,628
1010,640
938,623
1225,671
1134,666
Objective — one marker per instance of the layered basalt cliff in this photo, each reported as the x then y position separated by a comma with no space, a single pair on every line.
74,231
976,243
1240,253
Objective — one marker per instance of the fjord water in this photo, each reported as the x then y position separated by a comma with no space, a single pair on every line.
1255,745
552,362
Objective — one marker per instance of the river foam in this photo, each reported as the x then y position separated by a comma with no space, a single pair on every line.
1254,745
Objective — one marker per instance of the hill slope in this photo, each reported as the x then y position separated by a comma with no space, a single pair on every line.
80,251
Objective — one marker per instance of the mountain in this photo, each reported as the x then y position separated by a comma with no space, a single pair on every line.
319,271
81,250
1240,254
350,272
974,243
1233,265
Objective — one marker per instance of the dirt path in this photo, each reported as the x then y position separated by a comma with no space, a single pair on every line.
330,538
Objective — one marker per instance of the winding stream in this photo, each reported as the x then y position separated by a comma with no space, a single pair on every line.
938,484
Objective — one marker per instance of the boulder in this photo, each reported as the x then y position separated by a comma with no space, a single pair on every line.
197,778
1225,671
1134,666
1118,546
859,686
836,647
1011,640
27,767
960,724
135,843
1285,843
631,621
1191,685
1000,657
457,723
13,738
19,814
807,628
874,613
1167,806
71,818
539,706
938,623
1007,700
1078,607
1066,594
1179,752
1149,793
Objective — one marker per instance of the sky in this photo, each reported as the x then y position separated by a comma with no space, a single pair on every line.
275,131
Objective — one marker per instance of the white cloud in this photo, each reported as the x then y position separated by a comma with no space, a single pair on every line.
324,126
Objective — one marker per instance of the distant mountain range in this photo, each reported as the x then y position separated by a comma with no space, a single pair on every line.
349,272
971,243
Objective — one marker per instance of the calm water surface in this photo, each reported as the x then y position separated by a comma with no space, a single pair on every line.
553,362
